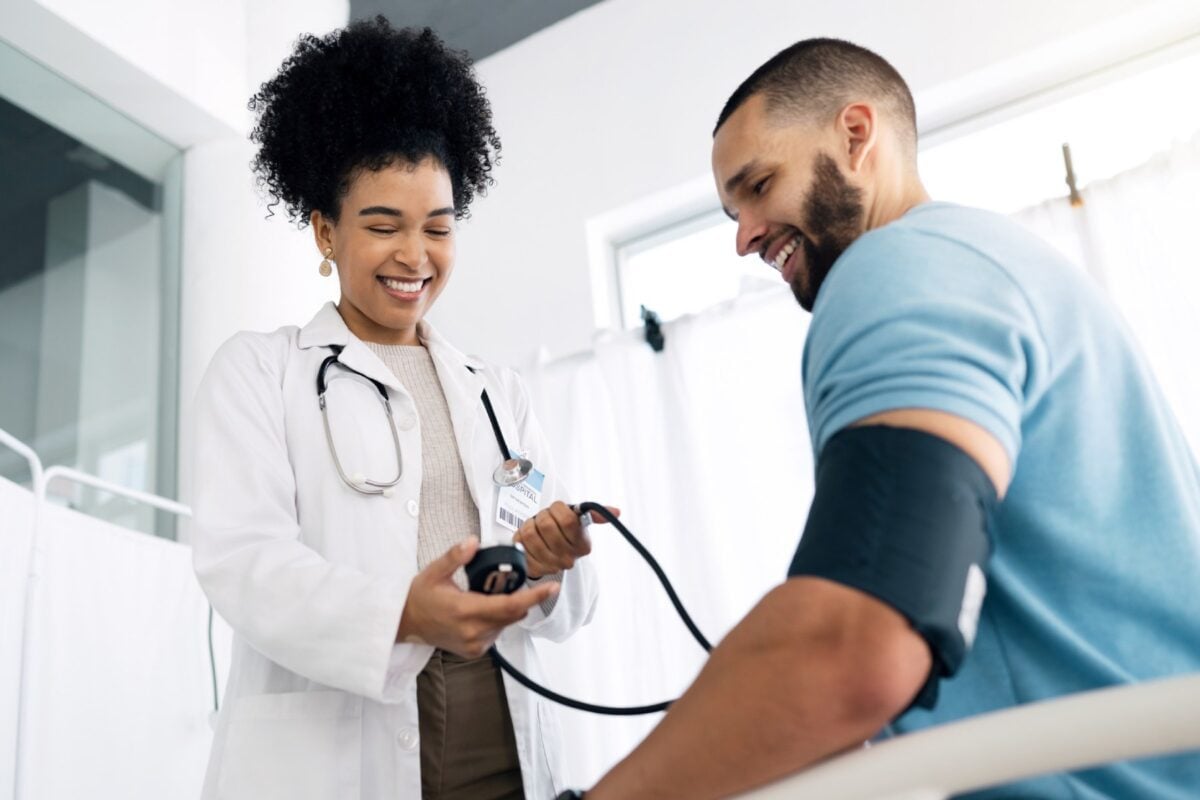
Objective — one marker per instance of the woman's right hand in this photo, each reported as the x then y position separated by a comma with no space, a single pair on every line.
439,613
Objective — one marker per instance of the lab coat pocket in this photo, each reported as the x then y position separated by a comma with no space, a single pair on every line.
295,745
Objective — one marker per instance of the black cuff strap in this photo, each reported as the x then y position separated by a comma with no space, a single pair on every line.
903,516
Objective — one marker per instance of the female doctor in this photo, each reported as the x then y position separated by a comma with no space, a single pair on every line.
331,534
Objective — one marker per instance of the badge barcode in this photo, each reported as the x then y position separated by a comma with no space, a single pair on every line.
511,518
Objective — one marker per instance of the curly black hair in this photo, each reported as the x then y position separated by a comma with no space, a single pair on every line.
362,98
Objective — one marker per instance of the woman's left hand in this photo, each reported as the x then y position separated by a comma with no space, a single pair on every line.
553,539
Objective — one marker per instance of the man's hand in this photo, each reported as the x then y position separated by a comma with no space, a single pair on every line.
554,539
439,613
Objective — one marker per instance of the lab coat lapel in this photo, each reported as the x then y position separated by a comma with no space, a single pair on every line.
328,328
359,357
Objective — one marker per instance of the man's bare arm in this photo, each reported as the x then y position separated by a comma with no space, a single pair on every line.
814,669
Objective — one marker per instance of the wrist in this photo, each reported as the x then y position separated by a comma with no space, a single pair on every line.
408,631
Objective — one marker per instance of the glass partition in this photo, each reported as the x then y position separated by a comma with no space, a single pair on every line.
88,292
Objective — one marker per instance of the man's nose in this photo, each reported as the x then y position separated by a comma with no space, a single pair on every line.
751,234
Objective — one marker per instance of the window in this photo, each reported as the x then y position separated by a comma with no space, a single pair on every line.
1006,160
88,291
1014,160
685,268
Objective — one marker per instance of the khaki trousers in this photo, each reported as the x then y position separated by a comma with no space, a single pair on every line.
468,750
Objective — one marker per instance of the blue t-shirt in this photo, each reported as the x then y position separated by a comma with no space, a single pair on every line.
1094,578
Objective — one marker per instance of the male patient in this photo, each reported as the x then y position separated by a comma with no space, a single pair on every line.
1002,495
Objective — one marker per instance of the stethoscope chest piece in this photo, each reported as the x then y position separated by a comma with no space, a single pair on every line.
512,471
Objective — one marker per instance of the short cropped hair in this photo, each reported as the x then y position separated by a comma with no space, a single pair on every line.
816,78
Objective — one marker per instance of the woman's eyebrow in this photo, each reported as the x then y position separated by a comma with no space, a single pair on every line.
370,210
395,212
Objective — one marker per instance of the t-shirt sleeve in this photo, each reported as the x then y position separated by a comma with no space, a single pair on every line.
911,319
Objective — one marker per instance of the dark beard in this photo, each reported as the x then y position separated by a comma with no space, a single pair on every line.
833,213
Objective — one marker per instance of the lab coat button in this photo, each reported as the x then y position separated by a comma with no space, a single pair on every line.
407,739
413,508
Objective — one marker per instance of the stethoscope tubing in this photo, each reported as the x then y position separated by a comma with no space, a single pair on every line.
366,486
584,508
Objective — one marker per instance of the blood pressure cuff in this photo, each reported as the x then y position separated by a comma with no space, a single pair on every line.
903,516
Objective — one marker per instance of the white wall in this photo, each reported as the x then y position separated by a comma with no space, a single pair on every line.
176,68
617,103
195,50
240,270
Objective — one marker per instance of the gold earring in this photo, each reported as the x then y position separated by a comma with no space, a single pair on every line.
326,268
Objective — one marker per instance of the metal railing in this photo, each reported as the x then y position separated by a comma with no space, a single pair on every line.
75,476
26,452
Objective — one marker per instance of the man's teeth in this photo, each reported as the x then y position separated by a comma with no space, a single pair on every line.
787,250
402,286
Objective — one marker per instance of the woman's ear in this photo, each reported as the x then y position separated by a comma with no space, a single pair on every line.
858,125
322,231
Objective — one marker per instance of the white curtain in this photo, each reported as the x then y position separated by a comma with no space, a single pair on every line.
118,688
705,447
16,537
1136,234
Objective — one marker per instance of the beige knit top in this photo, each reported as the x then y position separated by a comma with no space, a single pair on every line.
447,513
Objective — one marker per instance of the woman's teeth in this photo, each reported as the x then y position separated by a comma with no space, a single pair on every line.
782,256
410,287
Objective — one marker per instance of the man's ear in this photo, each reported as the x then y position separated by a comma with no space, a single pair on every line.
858,125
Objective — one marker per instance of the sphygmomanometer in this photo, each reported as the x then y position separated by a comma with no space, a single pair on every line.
898,514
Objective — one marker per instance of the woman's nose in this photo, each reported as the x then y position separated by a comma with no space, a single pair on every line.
410,251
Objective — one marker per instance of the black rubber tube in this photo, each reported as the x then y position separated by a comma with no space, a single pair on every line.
528,683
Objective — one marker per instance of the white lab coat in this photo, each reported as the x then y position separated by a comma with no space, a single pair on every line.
321,702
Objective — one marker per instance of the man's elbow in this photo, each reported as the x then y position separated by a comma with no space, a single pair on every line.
875,694
866,667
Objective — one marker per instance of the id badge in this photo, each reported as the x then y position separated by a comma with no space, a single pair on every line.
518,503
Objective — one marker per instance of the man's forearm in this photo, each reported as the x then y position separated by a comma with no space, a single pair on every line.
777,695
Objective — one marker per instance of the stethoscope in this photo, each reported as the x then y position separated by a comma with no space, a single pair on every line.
510,472
500,569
